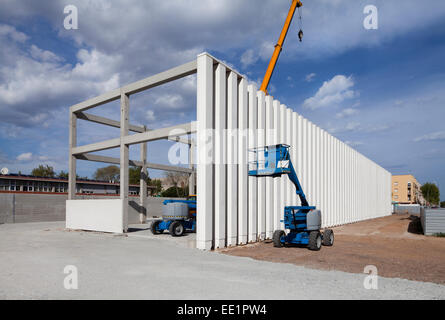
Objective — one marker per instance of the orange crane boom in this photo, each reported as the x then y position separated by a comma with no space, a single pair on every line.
279,46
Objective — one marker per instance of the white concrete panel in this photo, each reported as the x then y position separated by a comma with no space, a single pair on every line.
294,153
289,186
300,152
269,181
253,181
277,181
304,156
220,156
283,179
262,180
242,165
232,158
205,148
323,177
95,215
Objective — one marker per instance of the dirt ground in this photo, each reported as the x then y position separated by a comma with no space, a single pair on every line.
393,244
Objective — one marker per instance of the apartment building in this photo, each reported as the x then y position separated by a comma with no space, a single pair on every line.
406,189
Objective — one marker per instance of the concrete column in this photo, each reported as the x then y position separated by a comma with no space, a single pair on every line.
143,184
262,180
300,152
253,181
192,176
283,178
290,191
242,161
294,152
72,159
277,181
124,159
304,153
220,156
205,149
232,158
269,182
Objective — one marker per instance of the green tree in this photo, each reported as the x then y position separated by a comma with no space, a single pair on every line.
43,171
158,186
63,174
110,173
175,192
135,175
442,204
431,193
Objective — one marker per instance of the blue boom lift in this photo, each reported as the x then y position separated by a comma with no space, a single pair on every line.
304,221
178,223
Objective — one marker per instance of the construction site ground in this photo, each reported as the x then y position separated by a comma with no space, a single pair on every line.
394,244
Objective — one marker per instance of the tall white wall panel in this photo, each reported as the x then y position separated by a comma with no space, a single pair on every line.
220,156
270,196
277,182
252,219
242,160
232,158
234,208
262,180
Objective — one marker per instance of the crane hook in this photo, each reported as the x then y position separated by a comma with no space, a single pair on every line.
300,35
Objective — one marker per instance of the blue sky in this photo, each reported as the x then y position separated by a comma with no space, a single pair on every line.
381,91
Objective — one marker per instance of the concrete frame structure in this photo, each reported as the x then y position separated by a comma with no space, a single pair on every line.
142,136
232,116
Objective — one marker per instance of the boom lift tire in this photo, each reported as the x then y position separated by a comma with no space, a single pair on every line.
277,238
314,240
176,229
154,227
328,237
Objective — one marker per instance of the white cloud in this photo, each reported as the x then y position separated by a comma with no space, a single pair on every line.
11,32
248,58
171,101
435,136
44,55
24,156
310,77
348,112
35,82
332,93
150,116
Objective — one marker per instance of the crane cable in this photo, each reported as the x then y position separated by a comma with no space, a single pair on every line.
300,23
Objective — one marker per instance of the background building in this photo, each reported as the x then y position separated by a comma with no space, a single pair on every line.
406,190
32,184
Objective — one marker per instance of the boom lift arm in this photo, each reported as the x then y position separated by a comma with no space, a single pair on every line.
279,46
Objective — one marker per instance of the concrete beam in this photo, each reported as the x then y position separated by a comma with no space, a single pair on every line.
106,121
138,86
134,163
153,135
160,134
116,124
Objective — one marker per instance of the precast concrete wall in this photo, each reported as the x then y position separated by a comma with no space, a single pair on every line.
234,208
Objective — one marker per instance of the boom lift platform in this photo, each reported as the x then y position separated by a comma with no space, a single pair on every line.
304,221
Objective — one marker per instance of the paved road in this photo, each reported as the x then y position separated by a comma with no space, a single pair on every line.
33,257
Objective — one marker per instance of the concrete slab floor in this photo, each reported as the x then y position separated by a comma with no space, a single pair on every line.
34,255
